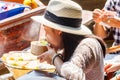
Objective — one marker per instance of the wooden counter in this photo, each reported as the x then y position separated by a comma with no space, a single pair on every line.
18,72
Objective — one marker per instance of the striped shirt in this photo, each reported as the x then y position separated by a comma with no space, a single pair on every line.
114,5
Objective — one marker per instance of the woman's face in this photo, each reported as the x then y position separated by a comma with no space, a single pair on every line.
53,37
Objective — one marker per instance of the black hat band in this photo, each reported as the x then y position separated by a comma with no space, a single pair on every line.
71,22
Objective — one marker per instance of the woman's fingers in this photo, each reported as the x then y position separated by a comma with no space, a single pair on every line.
97,12
97,15
43,57
107,66
112,67
47,56
40,56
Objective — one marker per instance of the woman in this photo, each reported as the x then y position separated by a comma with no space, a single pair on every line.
76,54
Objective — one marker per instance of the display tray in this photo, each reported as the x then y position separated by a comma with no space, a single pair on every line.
25,61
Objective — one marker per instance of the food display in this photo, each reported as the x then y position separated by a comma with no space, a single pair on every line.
25,60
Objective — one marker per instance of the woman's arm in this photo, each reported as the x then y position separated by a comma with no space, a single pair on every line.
100,30
52,57
112,21
58,63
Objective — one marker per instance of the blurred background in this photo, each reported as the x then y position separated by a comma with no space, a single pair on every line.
86,4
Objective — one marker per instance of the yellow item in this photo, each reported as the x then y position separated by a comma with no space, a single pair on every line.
30,3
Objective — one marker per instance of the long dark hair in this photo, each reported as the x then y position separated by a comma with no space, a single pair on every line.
71,41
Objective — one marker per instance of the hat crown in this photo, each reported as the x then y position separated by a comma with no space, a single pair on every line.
65,8
64,15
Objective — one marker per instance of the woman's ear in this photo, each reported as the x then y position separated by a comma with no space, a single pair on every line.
59,32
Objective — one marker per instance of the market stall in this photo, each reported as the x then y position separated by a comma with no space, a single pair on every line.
16,32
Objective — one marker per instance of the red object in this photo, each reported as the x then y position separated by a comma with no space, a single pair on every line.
110,75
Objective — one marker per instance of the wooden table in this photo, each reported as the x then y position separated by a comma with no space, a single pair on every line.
33,75
18,72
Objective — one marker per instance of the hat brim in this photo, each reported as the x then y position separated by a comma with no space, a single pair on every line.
82,30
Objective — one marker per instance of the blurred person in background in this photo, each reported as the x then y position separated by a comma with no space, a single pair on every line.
107,20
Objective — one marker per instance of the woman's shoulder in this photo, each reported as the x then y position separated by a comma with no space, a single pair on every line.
88,40
92,38
94,42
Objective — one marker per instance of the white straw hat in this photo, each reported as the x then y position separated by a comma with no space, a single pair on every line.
64,15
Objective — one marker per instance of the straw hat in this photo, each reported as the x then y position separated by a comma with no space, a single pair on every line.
64,15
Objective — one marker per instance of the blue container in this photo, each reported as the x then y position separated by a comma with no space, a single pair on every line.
14,11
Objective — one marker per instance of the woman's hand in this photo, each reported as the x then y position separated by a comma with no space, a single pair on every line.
102,15
97,15
111,67
47,56
106,15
